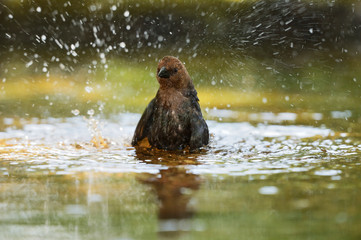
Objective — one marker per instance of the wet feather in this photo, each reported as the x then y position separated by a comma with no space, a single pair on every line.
173,119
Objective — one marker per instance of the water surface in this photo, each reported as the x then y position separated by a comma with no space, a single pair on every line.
79,178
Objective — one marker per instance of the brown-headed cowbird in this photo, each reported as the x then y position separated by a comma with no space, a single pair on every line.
173,119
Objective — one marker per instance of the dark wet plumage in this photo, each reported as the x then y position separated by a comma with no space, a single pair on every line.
173,119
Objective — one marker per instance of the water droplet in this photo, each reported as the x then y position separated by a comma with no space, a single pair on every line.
75,112
264,100
92,8
88,89
28,64
11,16
311,30
90,112
126,13
122,45
38,9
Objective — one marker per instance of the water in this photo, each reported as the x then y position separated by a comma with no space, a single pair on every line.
66,146
255,181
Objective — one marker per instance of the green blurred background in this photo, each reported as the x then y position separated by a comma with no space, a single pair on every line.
294,56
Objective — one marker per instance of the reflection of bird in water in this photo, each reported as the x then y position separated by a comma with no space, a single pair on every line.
168,158
173,119
174,188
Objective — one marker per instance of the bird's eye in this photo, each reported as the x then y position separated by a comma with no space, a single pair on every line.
175,70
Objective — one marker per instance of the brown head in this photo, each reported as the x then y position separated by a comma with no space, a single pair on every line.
172,73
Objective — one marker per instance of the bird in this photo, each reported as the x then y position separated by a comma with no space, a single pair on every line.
173,119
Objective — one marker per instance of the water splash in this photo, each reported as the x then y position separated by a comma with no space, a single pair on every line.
87,144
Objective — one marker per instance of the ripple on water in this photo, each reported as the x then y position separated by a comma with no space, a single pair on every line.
63,147
268,190
328,172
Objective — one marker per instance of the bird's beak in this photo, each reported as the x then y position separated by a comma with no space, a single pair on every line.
163,73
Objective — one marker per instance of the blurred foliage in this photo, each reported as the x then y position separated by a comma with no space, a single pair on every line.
106,51
283,35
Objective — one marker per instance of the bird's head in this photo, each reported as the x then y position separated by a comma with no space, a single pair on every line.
172,73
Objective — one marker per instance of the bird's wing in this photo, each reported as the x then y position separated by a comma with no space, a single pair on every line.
199,128
193,94
145,121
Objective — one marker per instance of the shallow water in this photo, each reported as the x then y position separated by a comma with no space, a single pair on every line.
79,178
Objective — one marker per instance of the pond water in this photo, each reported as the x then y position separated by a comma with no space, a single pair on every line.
79,178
